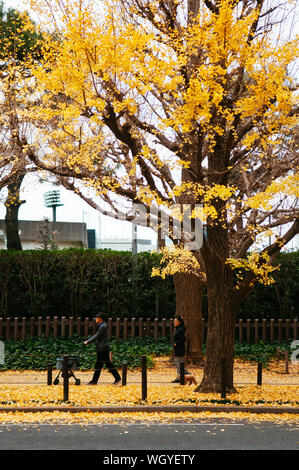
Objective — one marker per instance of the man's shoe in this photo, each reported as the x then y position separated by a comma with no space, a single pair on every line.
175,381
117,382
91,383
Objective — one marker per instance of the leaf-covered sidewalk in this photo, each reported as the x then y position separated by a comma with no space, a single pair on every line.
29,388
130,395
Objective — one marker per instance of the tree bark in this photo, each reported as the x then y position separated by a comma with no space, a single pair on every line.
221,332
221,314
189,290
13,205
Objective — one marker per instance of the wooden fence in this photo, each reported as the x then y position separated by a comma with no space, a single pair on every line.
249,331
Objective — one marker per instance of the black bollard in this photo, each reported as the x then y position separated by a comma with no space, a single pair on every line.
124,374
182,373
49,374
65,375
143,378
259,373
223,378
286,362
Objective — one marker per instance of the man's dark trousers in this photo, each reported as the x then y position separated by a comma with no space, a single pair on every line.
103,358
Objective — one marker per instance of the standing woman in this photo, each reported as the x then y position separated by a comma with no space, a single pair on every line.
179,339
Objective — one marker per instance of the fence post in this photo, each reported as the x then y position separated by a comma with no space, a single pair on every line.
272,331
241,331
171,328
140,326
110,327
279,329
71,327
287,330
133,323
48,322
223,378
248,330
264,330
148,327
55,327
256,331
182,373
124,373
65,373
79,326
125,328
156,326
15,328
7,328
143,378
295,328
259,373
49,374
117,328
94,326
23,334
39,326
163,327
86,327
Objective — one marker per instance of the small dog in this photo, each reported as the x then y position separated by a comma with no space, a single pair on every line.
190,379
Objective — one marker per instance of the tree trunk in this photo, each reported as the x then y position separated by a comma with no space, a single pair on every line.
221,330
221,334
13,204
189,290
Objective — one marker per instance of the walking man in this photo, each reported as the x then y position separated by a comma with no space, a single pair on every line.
103,349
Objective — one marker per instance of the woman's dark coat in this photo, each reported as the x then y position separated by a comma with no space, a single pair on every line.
179,341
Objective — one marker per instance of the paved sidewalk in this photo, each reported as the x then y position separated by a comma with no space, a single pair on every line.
162,374
157,376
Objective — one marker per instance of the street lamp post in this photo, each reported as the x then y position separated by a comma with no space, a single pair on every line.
134,266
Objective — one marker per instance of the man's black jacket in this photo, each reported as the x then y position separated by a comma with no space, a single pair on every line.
101,338
179,341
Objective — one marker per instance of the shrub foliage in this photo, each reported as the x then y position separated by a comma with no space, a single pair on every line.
82,282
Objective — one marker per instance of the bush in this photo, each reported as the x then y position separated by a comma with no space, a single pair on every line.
81,282
279,300
78,282
36,353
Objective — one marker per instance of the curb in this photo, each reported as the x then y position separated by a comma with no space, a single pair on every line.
154,409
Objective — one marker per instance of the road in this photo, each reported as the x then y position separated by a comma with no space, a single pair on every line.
213,435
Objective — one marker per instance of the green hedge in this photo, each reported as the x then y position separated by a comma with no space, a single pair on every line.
36,353
82,282
279,300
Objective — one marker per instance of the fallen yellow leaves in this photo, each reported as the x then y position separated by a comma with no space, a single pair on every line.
87,418
28,389
130,395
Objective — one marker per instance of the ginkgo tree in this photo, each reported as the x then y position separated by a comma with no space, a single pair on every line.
18,40
173,103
